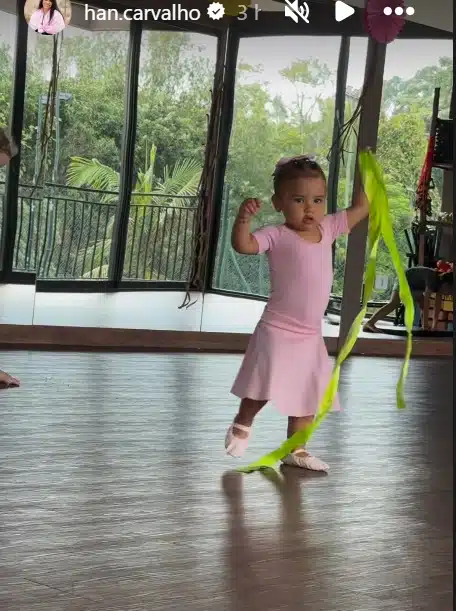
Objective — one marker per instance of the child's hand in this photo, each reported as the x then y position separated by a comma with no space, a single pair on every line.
249,208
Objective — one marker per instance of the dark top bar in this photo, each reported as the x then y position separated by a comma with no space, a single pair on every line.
269,23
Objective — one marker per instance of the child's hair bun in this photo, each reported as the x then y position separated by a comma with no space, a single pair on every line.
289,168
298,159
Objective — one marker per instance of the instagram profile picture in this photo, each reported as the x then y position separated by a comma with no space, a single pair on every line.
47,17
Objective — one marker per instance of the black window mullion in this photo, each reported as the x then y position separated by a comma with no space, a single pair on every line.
9,225
127,157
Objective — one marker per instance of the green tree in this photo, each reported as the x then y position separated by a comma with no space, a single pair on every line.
176,188
307,78
417,93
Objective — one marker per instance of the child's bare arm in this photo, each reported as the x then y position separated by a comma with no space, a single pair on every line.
242,239
359,210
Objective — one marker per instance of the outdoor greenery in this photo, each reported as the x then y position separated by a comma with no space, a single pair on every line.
176,77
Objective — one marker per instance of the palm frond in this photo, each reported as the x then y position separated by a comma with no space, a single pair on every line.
181,181
178,184
91,173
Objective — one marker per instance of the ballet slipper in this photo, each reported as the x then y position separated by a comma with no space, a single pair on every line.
304,460
236,446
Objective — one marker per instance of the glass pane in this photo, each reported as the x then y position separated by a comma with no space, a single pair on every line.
176,78
413,69
7,41
65,229
284,105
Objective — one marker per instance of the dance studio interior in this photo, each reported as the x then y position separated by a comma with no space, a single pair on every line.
134,135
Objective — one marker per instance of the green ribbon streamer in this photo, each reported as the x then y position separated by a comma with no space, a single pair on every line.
380,226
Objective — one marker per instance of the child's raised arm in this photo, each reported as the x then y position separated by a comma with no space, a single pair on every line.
359,210
242,239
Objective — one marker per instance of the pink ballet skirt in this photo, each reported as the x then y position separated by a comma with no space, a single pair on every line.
286,361
290,369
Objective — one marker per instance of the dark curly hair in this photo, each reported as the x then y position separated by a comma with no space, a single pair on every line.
296,167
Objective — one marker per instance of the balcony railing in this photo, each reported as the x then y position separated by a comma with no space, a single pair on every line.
65,233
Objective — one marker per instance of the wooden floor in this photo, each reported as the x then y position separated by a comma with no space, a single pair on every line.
115,493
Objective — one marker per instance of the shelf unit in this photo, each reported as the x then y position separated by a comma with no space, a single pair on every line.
437,131
417,243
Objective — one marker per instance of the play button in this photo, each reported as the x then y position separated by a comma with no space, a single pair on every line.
343,11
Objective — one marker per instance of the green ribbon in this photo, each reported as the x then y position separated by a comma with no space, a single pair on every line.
380,226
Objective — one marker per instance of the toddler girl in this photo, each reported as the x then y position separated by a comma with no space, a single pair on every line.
286,360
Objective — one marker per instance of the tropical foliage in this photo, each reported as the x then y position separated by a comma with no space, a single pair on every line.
177,188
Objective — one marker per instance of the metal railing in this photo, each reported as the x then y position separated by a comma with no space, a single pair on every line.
65,233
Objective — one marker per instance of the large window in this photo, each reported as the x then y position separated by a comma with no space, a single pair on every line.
414,68
7,41
284,105
65,225
174,98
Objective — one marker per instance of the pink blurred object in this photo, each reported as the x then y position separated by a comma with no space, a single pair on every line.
7,147
384,28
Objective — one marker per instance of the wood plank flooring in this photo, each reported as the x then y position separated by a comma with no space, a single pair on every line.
115,493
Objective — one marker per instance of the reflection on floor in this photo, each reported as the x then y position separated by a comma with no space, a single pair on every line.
384,328
116,497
